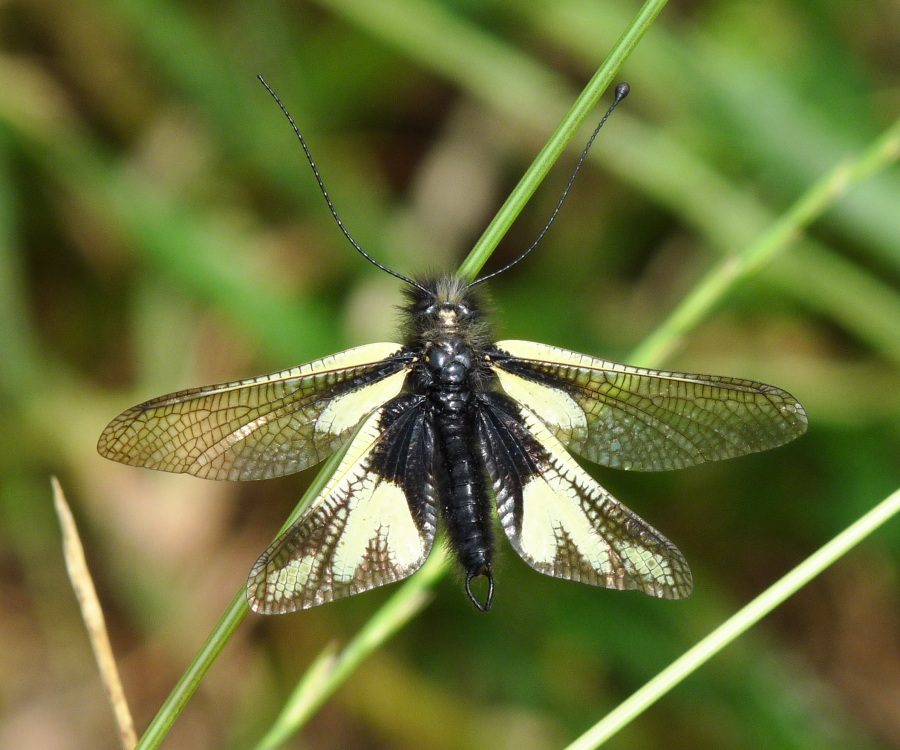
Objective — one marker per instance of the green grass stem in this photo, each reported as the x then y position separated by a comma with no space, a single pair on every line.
724,276
326,675
516,84
329,670
737,624
226,626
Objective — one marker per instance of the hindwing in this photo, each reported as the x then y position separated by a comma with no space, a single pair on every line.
262,427
373,523
559,520
646,420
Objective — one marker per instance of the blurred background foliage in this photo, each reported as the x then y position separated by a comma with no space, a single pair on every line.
159,229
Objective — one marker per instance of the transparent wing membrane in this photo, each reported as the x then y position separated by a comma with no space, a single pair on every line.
646,420
258,428
564,524
373,524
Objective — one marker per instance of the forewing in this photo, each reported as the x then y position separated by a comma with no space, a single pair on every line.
646,420
374,523
258,428
560,521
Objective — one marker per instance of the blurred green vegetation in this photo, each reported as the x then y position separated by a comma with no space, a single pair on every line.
159,229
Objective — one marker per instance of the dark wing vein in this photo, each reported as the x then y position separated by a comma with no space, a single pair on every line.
648,420
374,523
258,428
560,521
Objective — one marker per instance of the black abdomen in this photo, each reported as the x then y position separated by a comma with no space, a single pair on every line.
464,499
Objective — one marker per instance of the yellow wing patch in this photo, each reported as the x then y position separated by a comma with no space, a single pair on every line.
566,525
557,409
359,533
646,420
261,427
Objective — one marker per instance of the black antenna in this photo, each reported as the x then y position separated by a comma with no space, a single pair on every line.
331,207
622,91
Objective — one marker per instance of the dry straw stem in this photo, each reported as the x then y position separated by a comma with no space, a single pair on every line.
92,614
